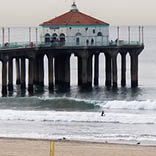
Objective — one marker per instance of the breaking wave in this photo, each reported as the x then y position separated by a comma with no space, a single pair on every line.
130,105
72,104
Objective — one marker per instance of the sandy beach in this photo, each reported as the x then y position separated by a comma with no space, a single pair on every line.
27,147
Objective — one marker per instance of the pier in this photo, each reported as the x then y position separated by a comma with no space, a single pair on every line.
72,33
59,65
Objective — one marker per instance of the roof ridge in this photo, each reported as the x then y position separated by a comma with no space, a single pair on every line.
73,18
92,18
55,18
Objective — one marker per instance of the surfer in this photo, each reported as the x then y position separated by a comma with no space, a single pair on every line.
102,113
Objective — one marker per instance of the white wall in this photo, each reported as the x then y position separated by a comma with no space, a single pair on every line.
86,33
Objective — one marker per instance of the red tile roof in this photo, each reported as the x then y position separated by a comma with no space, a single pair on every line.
73,18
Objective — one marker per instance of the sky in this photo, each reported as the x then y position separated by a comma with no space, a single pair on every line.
114,12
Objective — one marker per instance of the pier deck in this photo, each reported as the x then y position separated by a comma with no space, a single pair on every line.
59,64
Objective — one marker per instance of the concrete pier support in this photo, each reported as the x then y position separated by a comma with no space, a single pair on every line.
108,71
23,74
31,76
18,72
36,71
56,62
62,70
79,71
134,69
50,72
96,70
41,70
67,71
4,77
90,68
114,71
123,69
85,70
10,74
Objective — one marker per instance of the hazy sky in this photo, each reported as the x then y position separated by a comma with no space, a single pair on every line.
115,12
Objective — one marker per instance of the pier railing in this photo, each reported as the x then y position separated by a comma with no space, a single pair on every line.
32,39
14,45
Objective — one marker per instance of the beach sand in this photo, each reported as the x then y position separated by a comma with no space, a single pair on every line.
27,147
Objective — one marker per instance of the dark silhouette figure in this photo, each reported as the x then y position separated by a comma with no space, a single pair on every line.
102,113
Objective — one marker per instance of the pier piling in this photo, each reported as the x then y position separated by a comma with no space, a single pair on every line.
4,77
114,71
10,74
18,71
108,71
79,71
123,69
41,71
23,74
134,70
67,71
31,76
96,69
50,72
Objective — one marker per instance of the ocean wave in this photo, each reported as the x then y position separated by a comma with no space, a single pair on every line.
130,105
84,104
48,103
72,104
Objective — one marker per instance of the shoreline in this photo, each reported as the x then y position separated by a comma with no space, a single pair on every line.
109,142
40,147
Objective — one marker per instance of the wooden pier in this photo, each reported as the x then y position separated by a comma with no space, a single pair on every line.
59,65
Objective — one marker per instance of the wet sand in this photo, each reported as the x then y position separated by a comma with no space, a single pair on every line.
28,147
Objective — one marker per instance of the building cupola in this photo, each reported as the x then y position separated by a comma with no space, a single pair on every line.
74,7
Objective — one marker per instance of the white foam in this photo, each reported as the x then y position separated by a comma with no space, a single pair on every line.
130,105
70,98
58,116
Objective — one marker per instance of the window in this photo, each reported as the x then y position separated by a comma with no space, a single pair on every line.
93,31
87,42
99,34
77,41
62,37
92,41
47,38
78,37
54,37
78,34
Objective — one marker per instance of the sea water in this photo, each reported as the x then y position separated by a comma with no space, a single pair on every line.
130,114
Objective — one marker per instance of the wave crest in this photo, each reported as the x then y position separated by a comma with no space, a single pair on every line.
130,105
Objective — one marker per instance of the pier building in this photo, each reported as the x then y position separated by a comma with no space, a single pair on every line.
75,28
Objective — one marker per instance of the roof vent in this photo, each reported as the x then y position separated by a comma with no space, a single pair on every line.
74,7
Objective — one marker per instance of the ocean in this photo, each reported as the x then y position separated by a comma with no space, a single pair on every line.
130,114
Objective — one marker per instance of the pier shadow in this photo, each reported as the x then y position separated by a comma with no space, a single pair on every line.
61,89
135,92
84,89
10,93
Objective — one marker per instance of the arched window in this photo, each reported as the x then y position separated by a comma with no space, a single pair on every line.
54,37
62,37
77,41
87,41
47,38
78,35
99,34
92,41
